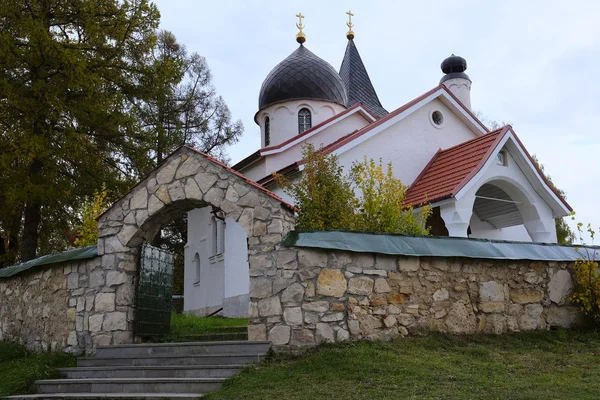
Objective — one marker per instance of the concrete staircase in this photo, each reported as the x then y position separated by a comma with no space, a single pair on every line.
152,371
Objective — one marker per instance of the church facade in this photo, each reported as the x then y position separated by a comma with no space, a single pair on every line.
480,183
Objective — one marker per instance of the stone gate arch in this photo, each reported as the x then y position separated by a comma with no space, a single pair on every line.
187,179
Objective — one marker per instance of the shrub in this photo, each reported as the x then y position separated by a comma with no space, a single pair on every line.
586,291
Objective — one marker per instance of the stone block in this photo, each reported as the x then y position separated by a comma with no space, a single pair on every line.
441,295
532,317
189,167
139,199
286,259
354,327
115,321
461,319
302,338
312,258
338,316
492,307
369,324
564,317
389,321
526,296
293,316
381,286
396,298
167,173
95,322
408,264
560,287
360,286
104,302
269,307
114,278
294,293
280,335
124,295
261,287
386,262
257,332
342,335
491,291
316,306
331,282
325,333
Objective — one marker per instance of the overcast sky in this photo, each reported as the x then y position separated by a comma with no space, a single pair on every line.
534,64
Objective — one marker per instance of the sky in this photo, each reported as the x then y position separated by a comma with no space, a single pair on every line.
534,64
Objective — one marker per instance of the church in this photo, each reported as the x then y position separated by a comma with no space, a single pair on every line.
480,183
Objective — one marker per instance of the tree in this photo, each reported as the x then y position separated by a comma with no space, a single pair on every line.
322,193
381,207
87,233
327,200
67,82
182,107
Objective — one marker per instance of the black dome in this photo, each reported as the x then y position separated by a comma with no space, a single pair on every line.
302,75
454,67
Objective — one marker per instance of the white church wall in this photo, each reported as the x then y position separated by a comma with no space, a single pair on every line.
237,277
411,143
256,171
203,293
284,117
328,135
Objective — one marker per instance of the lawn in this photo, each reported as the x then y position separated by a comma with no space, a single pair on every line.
20,368
188,325
542,365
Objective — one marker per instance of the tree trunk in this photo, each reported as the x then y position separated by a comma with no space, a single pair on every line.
32,216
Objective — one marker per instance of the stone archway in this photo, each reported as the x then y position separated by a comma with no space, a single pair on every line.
187,179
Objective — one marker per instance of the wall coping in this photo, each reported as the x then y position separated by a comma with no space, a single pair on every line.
69,255
427,246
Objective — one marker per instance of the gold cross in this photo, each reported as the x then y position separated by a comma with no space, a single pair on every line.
350,33
349,23
300,37
299,24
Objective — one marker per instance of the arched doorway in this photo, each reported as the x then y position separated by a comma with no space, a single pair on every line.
186,180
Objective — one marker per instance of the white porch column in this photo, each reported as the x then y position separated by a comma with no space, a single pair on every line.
541,230
457,216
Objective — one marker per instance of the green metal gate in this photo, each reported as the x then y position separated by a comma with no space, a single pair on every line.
155,292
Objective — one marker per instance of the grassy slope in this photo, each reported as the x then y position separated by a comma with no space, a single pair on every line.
183,324
19,368
543,365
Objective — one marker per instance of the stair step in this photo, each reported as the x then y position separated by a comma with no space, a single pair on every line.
168,360
169,371
209,337
130,385
184,348
104,396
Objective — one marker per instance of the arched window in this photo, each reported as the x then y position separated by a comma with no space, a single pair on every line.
267,131
304,120
197,267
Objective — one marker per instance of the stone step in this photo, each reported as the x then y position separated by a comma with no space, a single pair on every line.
168,360
172,371
130,385
238,347
210,337
104,396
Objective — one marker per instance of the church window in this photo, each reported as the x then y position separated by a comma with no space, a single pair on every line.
267,131
501,158
214,238
304,120
437,117
197,268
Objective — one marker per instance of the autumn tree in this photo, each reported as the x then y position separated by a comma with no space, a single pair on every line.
87,233
323,193
380,205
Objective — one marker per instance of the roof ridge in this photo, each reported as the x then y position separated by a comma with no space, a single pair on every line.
485,136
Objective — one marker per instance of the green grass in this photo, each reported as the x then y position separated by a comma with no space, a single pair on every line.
188,325
542,365
20,368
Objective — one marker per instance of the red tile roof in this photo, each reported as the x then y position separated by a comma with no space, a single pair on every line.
449,170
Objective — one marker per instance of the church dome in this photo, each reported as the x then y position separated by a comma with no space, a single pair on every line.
302,75
454,67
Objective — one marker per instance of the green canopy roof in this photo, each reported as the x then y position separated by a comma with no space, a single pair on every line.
69,255
426,246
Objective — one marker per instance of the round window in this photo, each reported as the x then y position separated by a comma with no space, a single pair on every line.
437,118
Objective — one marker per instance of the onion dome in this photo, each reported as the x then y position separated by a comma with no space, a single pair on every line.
302,75
454,67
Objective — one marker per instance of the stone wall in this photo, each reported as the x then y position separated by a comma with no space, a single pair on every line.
53,307
301,297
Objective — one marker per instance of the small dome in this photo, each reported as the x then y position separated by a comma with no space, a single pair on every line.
454,67
302,75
